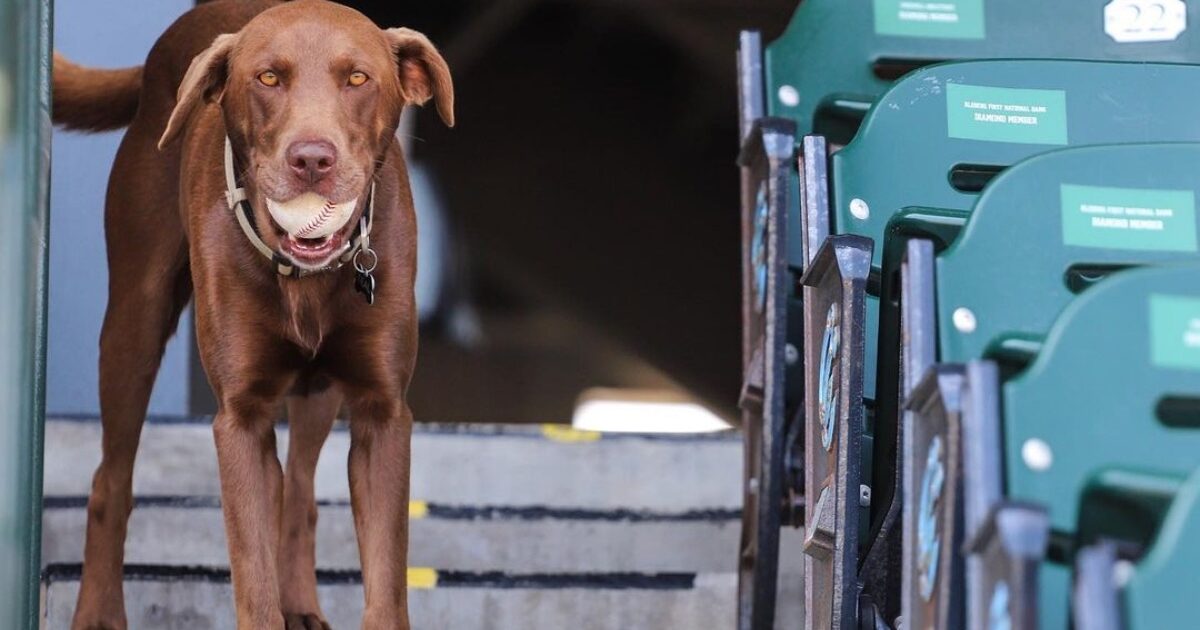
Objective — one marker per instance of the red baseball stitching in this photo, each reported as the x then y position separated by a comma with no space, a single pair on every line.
326,212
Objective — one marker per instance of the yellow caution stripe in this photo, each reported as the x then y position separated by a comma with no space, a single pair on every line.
567,434
421,577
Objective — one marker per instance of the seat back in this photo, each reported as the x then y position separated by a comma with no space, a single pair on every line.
1048,228
941,133
937,136
837,56
1100,429
1111,398
1042,234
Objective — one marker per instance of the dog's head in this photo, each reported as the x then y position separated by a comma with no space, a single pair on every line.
311,94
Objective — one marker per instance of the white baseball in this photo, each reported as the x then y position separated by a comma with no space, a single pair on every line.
310,215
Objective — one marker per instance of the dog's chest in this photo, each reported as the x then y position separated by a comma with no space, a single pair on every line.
306,317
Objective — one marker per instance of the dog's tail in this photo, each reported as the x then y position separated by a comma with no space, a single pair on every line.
93,99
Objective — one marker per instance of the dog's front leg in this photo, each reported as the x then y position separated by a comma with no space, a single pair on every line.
251,495
380,439
310,417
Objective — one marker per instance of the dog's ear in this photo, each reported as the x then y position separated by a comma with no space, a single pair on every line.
204,81
423,72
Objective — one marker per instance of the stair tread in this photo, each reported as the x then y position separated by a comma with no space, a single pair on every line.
452,464
189,531
201,598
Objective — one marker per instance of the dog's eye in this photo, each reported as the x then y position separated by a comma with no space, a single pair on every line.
357,78
268,78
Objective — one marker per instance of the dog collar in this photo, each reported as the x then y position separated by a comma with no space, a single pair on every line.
359,242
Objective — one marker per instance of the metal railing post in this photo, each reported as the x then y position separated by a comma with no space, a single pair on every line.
24,178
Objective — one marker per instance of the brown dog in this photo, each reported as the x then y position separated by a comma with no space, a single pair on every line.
309,95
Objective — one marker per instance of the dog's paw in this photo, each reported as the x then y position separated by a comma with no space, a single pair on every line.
98,620
304,621
99,625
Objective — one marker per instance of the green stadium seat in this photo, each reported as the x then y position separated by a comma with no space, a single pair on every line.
915,148
897,162
1028,249
837,56
1057,223
939,134
1042,233
1143,385
1099,429
825,74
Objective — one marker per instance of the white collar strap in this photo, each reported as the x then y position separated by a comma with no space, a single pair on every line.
239,203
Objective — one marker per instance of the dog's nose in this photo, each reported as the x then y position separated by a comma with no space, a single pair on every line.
311,160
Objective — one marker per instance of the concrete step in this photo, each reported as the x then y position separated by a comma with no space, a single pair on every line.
529,528
197,598
473,465
188,531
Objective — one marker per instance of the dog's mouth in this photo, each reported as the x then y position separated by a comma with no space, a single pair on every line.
313,253
312,230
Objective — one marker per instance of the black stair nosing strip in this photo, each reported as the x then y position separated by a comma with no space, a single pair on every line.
533,431
538,513
61,502
447,512
602,581
71,572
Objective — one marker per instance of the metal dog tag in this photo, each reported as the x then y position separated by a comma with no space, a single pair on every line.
364,283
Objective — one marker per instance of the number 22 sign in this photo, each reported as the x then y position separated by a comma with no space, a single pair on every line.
1131,21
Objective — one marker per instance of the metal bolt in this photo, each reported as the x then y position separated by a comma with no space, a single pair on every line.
789,96
1037,454
864,495
964,320
860,209
791,354
752,485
